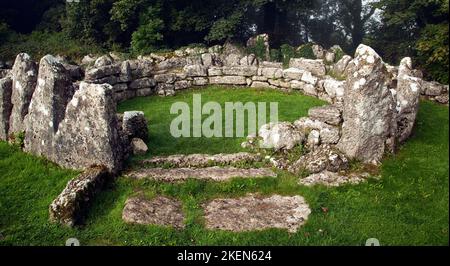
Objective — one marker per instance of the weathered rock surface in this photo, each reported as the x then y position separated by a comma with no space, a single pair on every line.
368,108
5,106
407,92
138,146
208,173
135,125
228,80
332,179
89,135
328,133
47,107
71,206
24,74
254,212
316,67
158,211
280,135
203,160
323,158
328,114
339,68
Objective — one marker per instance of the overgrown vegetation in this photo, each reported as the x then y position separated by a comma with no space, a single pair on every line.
408,205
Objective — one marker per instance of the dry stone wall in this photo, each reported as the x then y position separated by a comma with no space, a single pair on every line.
74,124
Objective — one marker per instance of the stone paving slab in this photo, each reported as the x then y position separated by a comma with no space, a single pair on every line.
332,179
254,212
209,173
203,160
158,211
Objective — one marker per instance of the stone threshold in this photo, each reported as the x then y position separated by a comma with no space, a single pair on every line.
209,173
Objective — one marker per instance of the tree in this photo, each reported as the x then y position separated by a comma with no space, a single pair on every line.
417,28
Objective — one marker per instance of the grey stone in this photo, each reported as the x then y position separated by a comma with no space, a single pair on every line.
70,207
200,81
5,106
408,92
368,112
254,212
228,80
101,72
319,51
47,107
164,89
103,61
215,71
203,160
271,72
340,66
142,83
160,211
324,157
280,135
168,78
195,71
135,125
293,73
138,146
316,67
89,135
182,84
332,179
328,114
328,134
24,76
260,84
246,71
209,173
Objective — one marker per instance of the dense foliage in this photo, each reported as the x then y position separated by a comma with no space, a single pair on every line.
395,28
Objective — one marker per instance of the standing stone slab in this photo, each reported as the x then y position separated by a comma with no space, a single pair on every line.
47,107
89,133
408,92
5,106
24,73
368,108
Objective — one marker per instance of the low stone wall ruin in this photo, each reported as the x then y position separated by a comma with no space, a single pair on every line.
73,122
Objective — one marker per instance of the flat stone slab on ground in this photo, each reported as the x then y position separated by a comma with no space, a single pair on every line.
158,211
209,173
203,160
332,179
254,212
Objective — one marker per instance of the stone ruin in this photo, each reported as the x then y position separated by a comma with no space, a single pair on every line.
67,113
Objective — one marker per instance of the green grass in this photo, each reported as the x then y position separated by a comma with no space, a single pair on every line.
407,206
291,106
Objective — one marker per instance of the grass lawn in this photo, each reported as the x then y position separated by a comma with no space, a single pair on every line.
407,206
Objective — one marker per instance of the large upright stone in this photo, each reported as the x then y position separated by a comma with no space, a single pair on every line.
89,133
368,108
47,106
408,92
5,106
24,74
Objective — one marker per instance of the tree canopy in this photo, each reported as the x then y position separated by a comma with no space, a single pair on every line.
395,28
